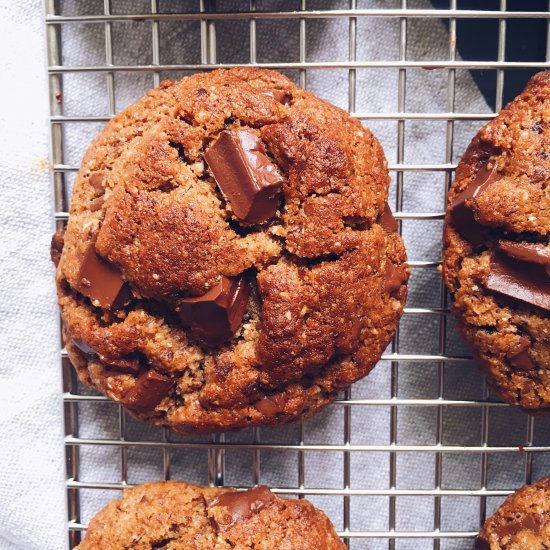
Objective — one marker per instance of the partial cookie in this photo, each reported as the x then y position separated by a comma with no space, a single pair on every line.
521,523
178,516
496,257
230,258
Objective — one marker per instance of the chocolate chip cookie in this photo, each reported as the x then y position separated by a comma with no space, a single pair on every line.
230,258
175,515
496,259
521,523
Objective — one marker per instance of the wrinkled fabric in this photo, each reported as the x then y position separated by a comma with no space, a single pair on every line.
32,510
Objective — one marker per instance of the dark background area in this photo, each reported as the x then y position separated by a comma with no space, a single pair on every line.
477,40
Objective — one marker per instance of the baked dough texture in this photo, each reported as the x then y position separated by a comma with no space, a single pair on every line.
521,523
496,259
173,515
326,274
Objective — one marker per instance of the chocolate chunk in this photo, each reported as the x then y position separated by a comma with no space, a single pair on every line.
279,95
56,247
461,211
271,405
215,316
126,363
240,505
387,221
83,347
245,175
527,252
481,544
356,327
100,281
97,203
395,277
519,281
149,390
530,522
96,181
519,356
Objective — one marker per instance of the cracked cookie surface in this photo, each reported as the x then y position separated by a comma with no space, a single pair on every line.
176,516
521,523
325,275
496,258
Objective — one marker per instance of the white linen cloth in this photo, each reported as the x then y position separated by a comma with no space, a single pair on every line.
32,495
32,499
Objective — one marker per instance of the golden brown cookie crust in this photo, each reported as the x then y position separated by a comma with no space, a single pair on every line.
514,207
175,516
521,523
320,312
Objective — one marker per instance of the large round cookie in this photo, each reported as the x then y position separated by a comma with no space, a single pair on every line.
521,523
230,259
496,260
177,516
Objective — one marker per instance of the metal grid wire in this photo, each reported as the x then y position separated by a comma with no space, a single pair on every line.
217,448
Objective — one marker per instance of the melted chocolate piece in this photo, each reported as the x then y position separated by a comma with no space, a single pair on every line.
245,175
529,522
356,327
126,363
240,506
519,356
395,277
100,281
97,203
527,252
149,390
96,181
481,544
83,347
215,316
56,247
387,221
528,284
461,212
271,405
279,95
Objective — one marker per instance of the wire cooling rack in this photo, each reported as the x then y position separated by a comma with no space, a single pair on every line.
450,507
